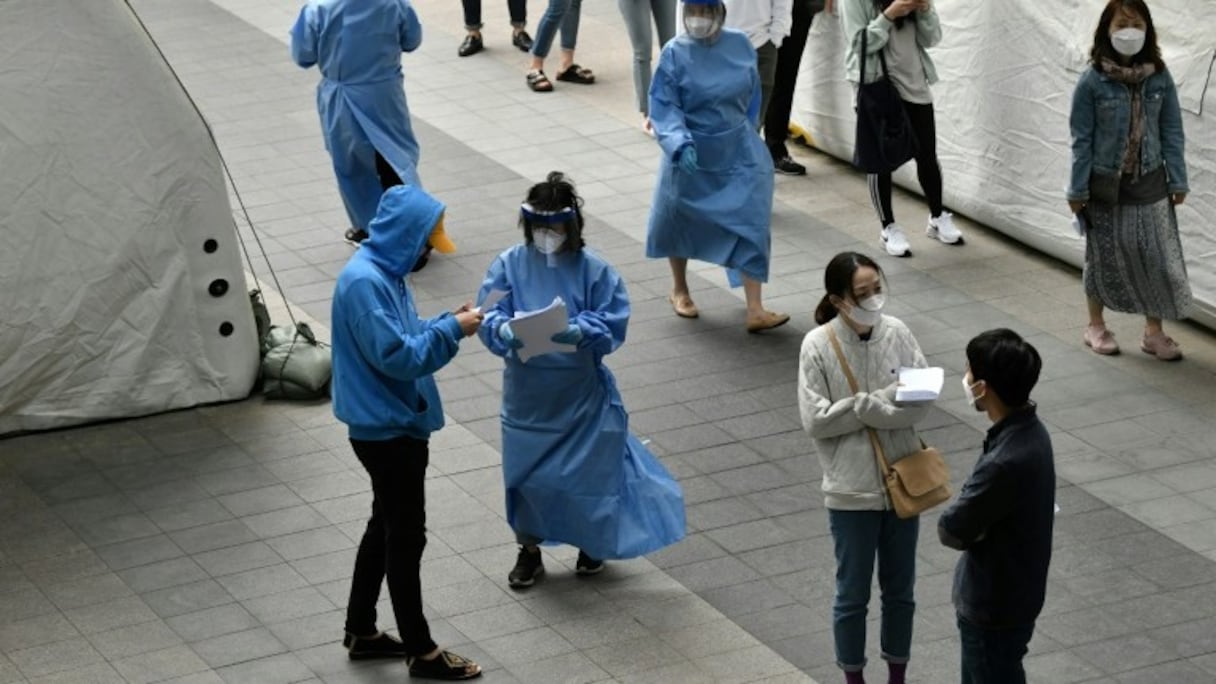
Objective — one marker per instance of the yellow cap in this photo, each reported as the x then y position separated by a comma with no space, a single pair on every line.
440,240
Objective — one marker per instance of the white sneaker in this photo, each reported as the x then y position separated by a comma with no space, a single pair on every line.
894,241
942,229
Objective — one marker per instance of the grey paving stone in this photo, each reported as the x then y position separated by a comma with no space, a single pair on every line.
18,634
755,478
136,552
212,622
282,668
329,486
238,647
288,605
713,573
61,656
85,510
87,591
162,574
261,581
189,514
133,640
171,493
234,559
568,668
117,529
1125,653
187,598
1181,672
213,536
100,673
721,513
324,628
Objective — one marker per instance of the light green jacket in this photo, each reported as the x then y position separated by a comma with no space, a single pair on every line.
861,15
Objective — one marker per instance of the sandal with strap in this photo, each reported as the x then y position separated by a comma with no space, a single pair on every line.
446,666
577,74
539,82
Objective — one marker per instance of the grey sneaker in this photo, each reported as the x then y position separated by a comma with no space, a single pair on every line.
528,567
895,242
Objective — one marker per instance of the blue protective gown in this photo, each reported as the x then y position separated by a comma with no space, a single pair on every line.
573,472
357,45
708,93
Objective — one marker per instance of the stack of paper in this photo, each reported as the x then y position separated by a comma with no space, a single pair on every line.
919,384
535,328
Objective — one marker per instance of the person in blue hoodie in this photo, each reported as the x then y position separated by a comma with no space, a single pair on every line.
384,358
357,46
573,472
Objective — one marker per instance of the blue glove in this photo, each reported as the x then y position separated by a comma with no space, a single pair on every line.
508,337
688,158
571,335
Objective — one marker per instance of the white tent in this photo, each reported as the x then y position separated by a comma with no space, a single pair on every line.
121,288
1007,74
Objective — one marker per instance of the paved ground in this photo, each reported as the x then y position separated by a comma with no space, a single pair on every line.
215,544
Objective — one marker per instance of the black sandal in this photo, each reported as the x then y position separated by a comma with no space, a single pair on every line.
446,666
577,74
539,82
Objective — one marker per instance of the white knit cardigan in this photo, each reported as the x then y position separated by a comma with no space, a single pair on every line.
836,418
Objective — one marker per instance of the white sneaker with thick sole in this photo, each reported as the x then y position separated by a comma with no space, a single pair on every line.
943,229
894,241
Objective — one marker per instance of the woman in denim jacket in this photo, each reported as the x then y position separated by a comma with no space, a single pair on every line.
1128,172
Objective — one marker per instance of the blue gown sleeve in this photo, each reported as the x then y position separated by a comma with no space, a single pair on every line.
753,107
304,37
496,279
666,107
410,30
606,319
382,339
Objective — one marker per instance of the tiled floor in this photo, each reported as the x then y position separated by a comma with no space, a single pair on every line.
216,544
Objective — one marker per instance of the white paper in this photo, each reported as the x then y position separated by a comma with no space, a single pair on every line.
919,384
492,298
535,328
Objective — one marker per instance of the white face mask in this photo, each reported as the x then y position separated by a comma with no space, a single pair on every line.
968,395
1128,42
868,311
699,27
548,241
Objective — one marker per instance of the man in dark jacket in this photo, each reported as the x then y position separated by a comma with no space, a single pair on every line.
383,389
1002,521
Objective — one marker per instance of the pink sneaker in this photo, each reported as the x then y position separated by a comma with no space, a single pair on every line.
1162,346
1101,340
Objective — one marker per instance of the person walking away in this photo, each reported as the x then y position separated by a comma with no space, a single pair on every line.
714,197
357,46
1128,175
573,472
839,419
1003,518
900,31
384,360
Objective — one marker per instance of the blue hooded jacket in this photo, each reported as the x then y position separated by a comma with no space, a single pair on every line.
384,355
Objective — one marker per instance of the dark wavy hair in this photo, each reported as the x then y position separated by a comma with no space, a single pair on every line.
1151,52
838,280
554,194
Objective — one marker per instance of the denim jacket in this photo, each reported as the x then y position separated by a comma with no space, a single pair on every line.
1100,119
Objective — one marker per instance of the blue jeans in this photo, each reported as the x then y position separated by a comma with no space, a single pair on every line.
859,536
637,14
993,656
559,13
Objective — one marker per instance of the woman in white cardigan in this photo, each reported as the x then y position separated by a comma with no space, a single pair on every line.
863,524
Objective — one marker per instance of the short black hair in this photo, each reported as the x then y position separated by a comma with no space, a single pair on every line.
1008,364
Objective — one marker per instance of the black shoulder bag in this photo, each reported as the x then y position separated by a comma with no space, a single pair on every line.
884,139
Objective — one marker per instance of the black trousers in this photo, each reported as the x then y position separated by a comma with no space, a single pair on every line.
789,58
388,176
472,13
928,170
393,543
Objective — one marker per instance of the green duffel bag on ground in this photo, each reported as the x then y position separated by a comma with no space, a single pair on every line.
296,365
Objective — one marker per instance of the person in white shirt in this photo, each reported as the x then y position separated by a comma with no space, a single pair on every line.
766,23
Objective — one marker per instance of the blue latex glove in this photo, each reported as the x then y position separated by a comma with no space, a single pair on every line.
571,335
508,336
688,159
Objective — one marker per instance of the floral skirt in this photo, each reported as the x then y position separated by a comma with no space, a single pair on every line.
1133,260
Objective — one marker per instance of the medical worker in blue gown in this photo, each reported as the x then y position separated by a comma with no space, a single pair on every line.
573,472
714,197
357,45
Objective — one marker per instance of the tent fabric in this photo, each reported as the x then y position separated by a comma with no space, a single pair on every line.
121,288
1007,71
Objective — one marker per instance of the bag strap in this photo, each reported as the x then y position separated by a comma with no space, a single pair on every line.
848,374
882,57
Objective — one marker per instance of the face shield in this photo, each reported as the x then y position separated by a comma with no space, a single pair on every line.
704,19
550,232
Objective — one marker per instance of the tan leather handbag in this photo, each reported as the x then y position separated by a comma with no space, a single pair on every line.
915,483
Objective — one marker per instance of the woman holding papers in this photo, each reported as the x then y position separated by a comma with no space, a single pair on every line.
573,473
838,418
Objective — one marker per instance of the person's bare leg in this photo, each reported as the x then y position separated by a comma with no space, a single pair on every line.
680,298
538,63
1095,313
759,318
1152,326
566,60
